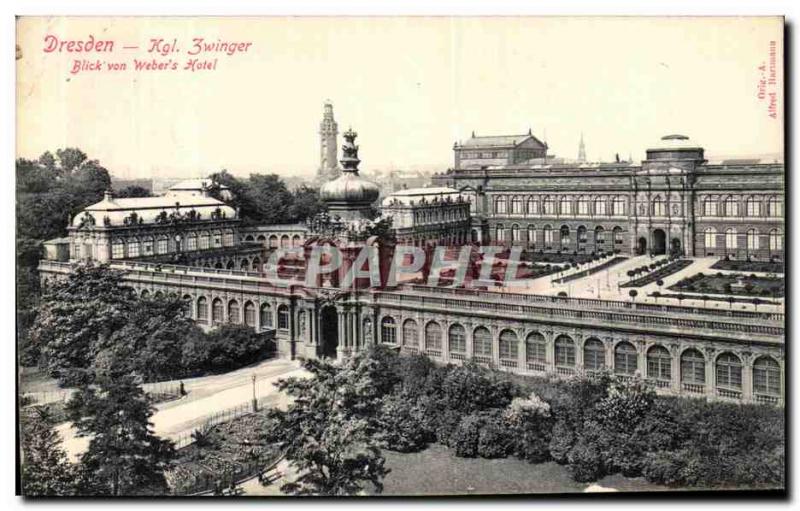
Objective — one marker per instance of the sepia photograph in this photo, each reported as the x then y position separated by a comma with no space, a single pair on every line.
400,256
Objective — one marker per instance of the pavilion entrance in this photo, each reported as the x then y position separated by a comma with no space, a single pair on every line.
330,331
659,242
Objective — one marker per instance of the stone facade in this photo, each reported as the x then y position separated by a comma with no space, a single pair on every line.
674,201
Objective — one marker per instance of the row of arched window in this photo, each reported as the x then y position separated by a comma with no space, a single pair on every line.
213,312
138,246
441,214
692,366
730,239
753,206
549,236
582,205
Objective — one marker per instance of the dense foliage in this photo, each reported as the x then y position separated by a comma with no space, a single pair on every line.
124,456
92,311
45,469
595,425
265,199
329,431
50,190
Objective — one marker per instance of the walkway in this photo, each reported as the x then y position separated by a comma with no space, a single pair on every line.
207,395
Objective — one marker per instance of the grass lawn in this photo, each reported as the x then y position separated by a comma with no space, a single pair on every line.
437,471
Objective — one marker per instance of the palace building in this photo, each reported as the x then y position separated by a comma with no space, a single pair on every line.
674,201
193,246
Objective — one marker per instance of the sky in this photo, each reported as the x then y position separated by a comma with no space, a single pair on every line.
410,86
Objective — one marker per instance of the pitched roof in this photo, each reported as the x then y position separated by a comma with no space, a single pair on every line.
494,141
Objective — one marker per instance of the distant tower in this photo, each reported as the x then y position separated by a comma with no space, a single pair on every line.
581,151
328,149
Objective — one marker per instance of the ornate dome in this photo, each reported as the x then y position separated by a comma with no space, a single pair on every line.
349,187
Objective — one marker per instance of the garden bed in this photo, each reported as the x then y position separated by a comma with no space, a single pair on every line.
229,452
592,271
659,274
746,266
732,284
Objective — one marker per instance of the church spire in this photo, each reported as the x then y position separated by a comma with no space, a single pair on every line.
581,150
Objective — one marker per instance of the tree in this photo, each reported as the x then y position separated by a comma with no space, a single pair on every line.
45,469
134,191
329,432
77,319
124,456
633,294
306,203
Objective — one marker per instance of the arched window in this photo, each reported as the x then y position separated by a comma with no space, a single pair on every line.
266,316
233,312
582,234
508,348
117,248
244,265
616,236
515,234
600,206
775,207
216,239
565,206
283,317
388,330
261,238
482,343
730,238
753,206
659,364
217,311
296,240
731,206
191,241
162,245
500,205
625,359
516,205
457,339
531,234
693,367
709,206
227,238
752,239
367,329
273,241
410,333
204,240
256,266
145,293
766,377
729,372
775,240
133,247
619,206
285,241
583,205
549,205
533,205
564,232
710,237
565,352
536,351
202,309
500,232
548,235
230,265
250,314
659,208
594,355
599,235
433,338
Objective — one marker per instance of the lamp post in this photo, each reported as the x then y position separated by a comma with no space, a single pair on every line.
255,401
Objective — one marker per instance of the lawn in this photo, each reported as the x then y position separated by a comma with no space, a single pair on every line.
437,471
731,284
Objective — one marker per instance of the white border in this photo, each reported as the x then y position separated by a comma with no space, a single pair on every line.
11,8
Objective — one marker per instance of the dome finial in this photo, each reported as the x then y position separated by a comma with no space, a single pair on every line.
350,159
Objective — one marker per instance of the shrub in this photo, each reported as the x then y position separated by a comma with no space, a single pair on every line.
464,440
530,424
402,428
495,438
